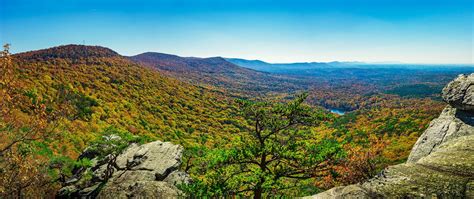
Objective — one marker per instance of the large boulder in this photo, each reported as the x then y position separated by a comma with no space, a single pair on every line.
140,171
441,164
456,120
460,92
452,123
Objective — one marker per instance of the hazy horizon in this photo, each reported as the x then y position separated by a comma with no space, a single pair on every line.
421,32
269,62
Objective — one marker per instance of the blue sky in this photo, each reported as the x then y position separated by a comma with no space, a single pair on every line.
410,31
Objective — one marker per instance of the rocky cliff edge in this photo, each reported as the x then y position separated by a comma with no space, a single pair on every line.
441,163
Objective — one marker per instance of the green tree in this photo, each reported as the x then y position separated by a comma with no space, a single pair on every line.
277,152
110,145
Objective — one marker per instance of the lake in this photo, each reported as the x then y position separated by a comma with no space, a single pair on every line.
337,111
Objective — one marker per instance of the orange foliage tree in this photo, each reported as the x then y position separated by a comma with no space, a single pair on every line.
24,124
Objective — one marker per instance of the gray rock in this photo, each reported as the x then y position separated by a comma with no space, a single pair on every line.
140,189
455,157
160,157
443,173
460,92
451,124
342,192
440,165
68,191
143,171
133,176
178,177
89,191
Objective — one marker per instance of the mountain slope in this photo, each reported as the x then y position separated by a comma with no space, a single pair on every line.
104,88
175,63
216,72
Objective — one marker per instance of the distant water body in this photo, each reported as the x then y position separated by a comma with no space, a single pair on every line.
337,111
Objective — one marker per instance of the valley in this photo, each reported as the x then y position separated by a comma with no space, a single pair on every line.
71,96
323,99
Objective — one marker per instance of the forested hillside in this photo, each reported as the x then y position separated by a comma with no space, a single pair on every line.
345,86
218,74
76,92
350,85
56,102
105,87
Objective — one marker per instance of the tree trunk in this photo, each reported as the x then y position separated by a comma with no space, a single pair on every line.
258,192
258,188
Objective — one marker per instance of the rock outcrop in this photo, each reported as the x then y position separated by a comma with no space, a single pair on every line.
460,93
440,165
140,171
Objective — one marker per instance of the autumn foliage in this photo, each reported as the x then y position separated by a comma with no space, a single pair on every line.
24,125
56,102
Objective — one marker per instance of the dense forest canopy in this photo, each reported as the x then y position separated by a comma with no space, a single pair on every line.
56,102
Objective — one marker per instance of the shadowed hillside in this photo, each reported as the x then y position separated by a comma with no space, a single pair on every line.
218,73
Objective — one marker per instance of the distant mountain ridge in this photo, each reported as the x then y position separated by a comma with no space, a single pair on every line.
272,67
170,62
305,66
214,71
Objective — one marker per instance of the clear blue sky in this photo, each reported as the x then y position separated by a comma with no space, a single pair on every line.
411,31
